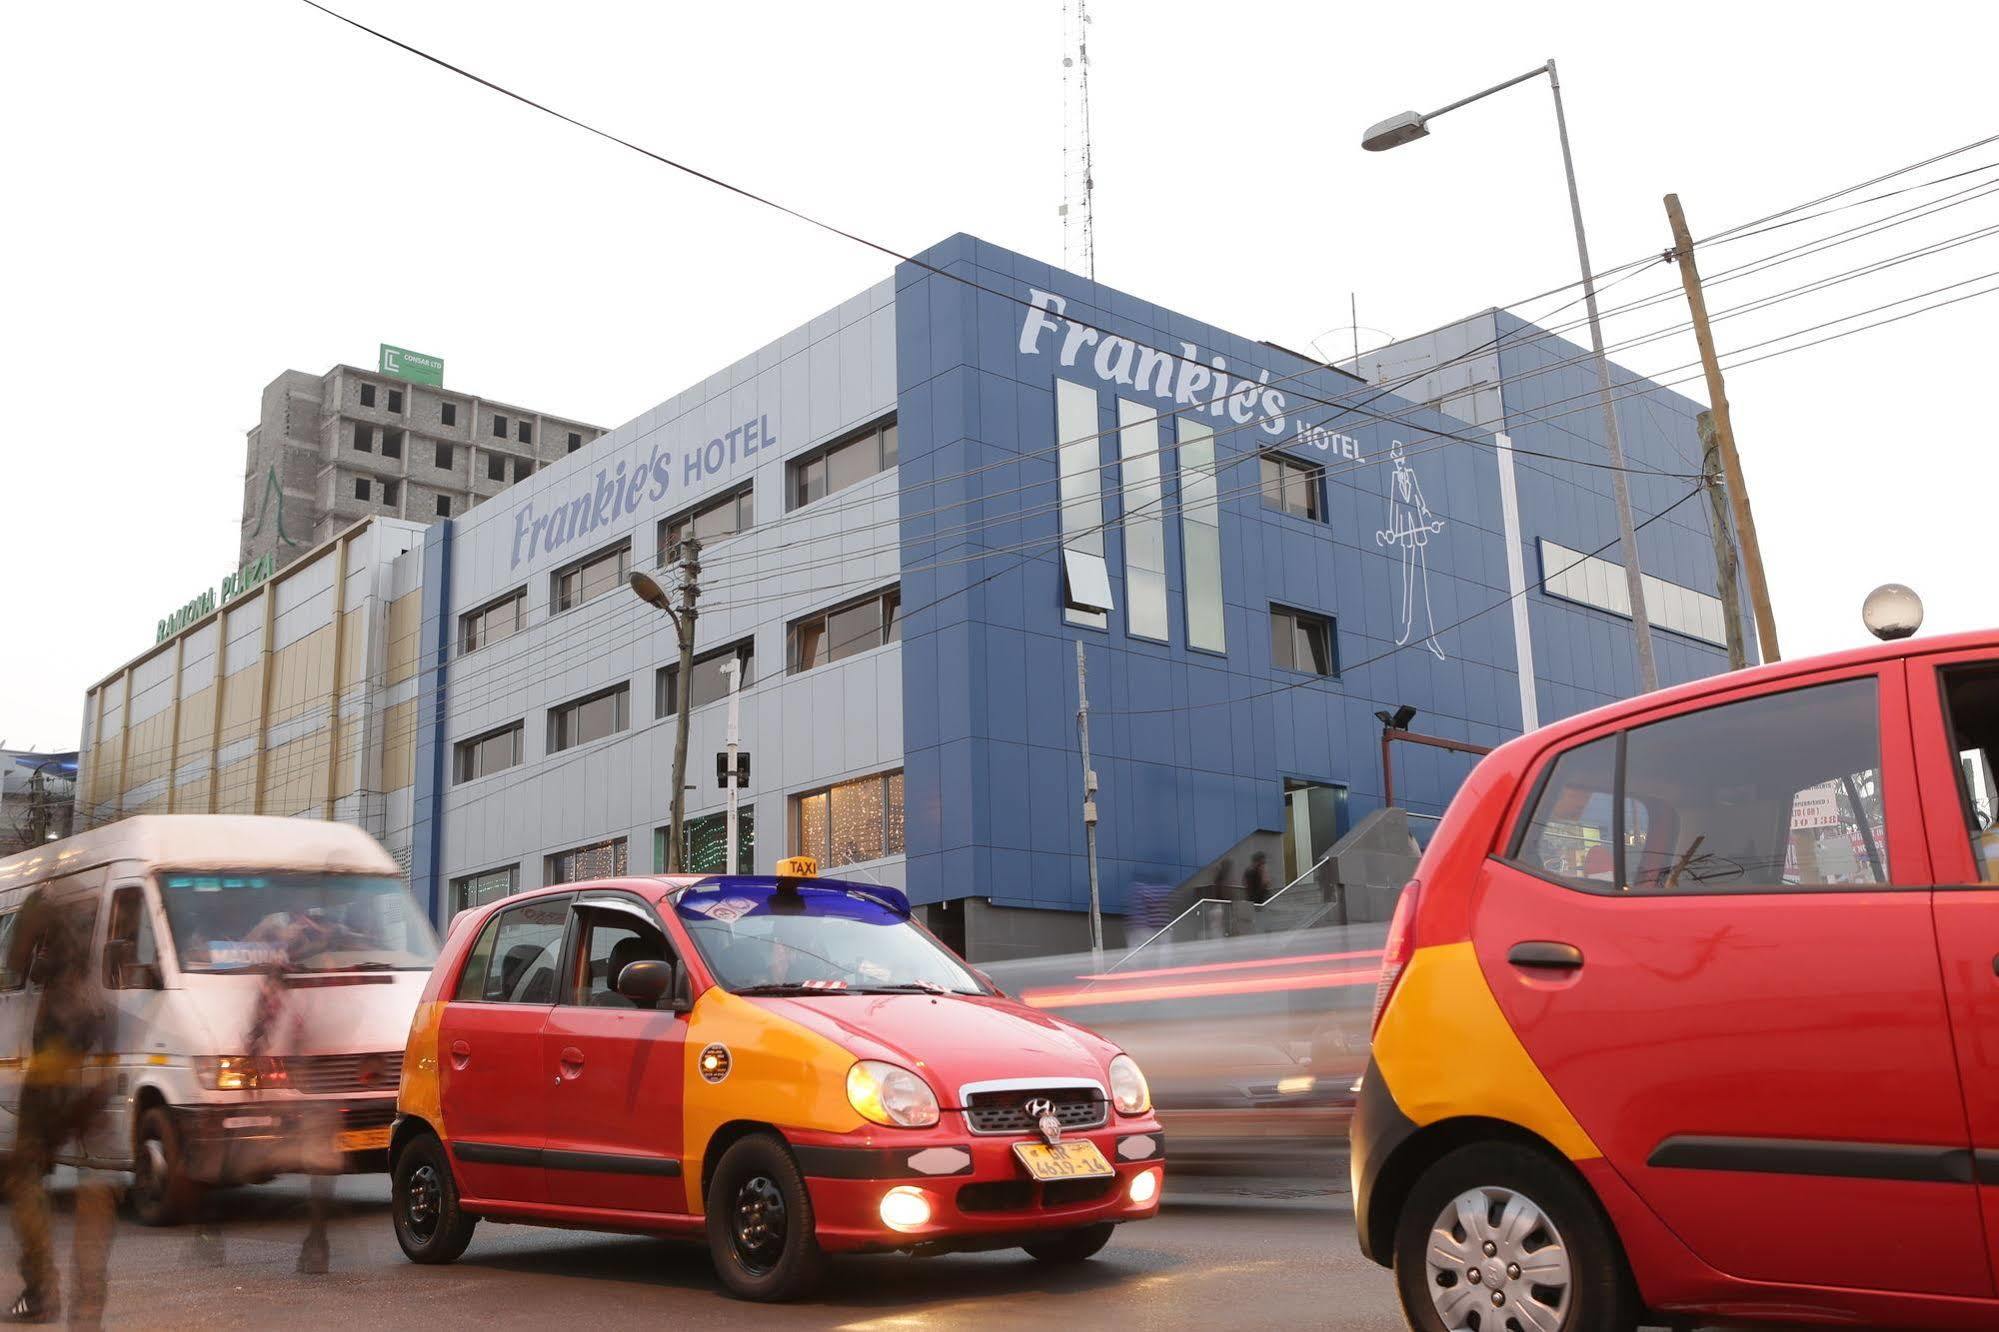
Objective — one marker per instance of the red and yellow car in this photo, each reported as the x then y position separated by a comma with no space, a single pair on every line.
790,1066
1692,1013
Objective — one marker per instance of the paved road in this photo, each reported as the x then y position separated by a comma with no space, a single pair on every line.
1215,1261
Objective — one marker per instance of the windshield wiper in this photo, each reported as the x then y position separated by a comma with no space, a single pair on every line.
913,987
793,987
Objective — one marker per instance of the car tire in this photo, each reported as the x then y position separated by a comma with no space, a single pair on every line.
430,1225
161,1192
1071,1246
761,1229
1535,1210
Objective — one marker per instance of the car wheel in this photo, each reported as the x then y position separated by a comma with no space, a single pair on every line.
1499,1238
761,1231
161,1192
1071,1246
423,1198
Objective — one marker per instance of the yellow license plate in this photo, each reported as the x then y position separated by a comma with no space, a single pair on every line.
1063,1160
362,1140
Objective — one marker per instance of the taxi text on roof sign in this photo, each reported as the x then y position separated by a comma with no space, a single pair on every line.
798,867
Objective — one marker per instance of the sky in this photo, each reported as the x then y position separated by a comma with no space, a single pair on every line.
203,196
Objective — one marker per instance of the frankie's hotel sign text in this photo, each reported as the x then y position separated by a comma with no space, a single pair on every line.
234,585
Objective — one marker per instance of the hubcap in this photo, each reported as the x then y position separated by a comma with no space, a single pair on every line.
758,1224
423,1202
1497,1264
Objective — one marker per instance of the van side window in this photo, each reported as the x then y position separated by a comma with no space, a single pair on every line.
9,979
131,958
1780,790
525,956
1971,702
610,940
1570,833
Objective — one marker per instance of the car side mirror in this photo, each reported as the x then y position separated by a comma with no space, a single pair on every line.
140,976
647,981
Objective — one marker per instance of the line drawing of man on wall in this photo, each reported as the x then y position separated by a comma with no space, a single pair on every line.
1410,526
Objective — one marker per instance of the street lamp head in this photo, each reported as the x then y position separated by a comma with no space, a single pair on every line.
1394,132
649,588
1892,611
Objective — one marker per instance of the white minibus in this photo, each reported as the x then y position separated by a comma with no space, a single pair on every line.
260,973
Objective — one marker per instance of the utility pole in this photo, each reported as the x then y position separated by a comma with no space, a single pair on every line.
1724,543
1089,809
734,666
1731,463
683,620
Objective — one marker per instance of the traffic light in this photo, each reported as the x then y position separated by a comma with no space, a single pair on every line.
742,768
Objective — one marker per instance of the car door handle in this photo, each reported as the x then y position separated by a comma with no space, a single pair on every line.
1546,954
461,1054
570,1062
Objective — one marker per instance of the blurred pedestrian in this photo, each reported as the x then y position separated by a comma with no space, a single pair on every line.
1256,880
59,1104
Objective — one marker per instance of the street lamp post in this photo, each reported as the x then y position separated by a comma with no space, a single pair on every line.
651,587
1411,125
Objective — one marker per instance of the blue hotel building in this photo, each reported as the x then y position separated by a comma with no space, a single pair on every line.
915,506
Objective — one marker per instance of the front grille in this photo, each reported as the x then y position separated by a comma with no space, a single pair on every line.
1005,1195
368,1116
342,1075
1006,1112
1069,1192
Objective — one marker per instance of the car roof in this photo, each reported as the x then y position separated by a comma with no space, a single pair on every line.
1770,673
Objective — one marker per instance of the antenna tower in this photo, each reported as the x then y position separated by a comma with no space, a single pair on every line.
1079,227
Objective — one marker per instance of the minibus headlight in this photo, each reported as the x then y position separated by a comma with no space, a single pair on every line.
888,1094
240,1072
1128,1090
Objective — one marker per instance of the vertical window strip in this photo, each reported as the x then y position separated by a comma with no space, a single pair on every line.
1144,525
1201,537
1080,464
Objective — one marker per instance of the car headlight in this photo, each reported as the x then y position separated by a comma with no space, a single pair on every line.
240,1072
888,1094
1128,1090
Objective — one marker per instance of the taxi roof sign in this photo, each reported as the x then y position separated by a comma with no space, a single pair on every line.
798,867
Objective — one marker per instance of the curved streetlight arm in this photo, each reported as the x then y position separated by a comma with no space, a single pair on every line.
1534,73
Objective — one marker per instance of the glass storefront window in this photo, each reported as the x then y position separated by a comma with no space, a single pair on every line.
599,860
852,822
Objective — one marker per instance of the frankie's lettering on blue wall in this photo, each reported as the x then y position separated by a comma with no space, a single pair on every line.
617,493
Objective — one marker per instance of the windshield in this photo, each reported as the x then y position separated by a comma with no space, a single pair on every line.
236,920
759,940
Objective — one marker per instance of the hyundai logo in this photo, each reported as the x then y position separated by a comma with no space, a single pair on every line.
1038,1106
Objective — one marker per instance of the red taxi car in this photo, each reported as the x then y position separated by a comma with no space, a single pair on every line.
1693,1007
789,1066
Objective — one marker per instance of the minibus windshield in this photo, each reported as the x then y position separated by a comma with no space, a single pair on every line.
760,940
242,920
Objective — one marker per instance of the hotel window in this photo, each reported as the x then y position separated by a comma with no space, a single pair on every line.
392,443
849,823
396,401
444,459
843,463
493,621
1302,641
1293,487
496,467
1201,537
1086,579
391,492
492,752
1599,583
599,860
444,506
606,712
476,890
846,630
721,517
705,843
593,575
500,427
708,683
367,395
1144,524
361,488
364,437
575,441
447,413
